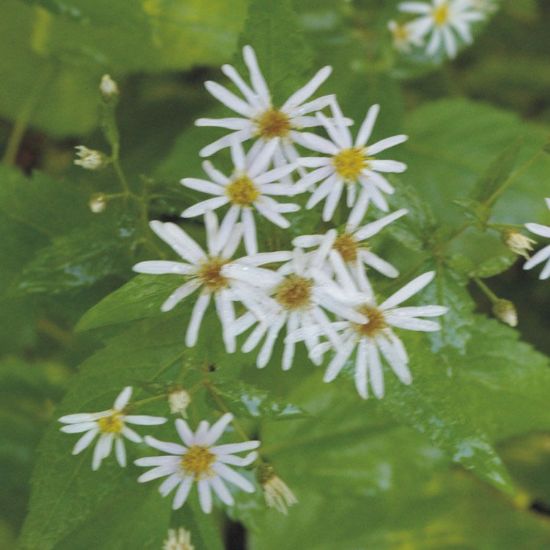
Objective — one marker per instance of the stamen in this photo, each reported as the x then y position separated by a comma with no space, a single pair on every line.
242,191
441,14
375,324
211,276
272,124
197,461
349,163
346,245
294,292
112,424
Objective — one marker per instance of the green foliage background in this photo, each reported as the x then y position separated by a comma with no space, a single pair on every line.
460,459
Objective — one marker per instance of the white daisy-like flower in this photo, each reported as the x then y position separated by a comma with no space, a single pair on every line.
351,255
404,37
179,539
376,336
443,20
258,117
207,271
544,254
199,460
249,189
299,295
110,426
350,165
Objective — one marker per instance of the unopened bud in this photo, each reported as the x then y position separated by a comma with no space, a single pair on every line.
178,539
89,159
108,87
97,203
505,311
276,492
518,243
179,400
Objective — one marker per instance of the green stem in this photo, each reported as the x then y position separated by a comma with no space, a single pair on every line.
486,290
22,121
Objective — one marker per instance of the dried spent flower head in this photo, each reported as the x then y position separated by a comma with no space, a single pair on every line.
179,400
89,159
178,539
276,492
518,243
108,87
505,311
97,203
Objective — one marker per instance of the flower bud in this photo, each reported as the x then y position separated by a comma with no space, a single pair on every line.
518,243
179,400
97,203
505,311
89,159
108,87
178,539
276,492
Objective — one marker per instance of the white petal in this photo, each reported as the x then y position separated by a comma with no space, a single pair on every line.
244,88
392,166
130,434
384,144
249,233
262,160
165,460
375,227
123,398
308,90
203,186
538,258
229,123
85,441
361,370
78,428
205,495
180,242
267,348
120,452
231,448
394,358
221,490
267,212
256,77
227,227
375,370
179,294
233,477
420,311
378,263
182,493
155,473
162,267
228,98
83,417
315,143
368,124
332,201
145,420
196,318
415,7
412,323
339,360
358,211
217,429
165,446
168,485
538,229
411,288
225,141
214,174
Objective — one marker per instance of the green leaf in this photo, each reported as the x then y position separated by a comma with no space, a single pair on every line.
283,62
138,299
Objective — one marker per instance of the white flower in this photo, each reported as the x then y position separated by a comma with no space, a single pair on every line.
349,165
351,254
178,540
179,400
111,426
89,159
443,20
199,460
207,271
298,296
250,189
376,336
258,117
518,243
108,87
276,492
541,255
404,37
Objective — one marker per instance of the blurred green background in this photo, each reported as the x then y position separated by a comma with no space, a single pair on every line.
160,52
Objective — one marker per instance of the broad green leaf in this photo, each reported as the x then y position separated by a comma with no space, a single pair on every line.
284,62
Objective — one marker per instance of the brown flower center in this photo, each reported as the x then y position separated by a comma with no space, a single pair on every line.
294,292
242,191
376,321
441,14
273,123
346,245
349,163
112,424
197,461
210,274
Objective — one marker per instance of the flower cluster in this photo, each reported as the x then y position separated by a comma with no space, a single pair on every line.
319,292
439,25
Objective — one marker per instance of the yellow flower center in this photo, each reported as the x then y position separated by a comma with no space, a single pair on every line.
197,461
346,245
294,292
273,123
441,14
349,163
376,321
112,424
210,274
242,191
